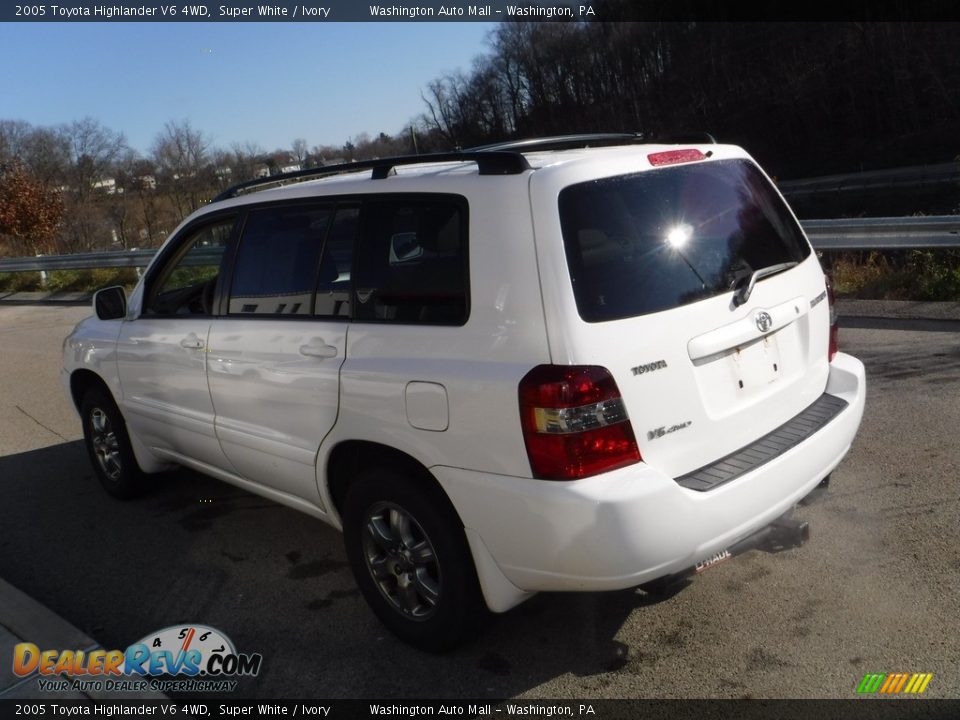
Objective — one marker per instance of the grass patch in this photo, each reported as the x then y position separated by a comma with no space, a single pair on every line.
68,280
901,275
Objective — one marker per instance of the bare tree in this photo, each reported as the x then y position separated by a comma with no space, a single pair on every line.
13,135
181,154
245,160
300,154
93,149
46,152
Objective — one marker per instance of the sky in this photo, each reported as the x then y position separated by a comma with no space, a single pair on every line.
266,83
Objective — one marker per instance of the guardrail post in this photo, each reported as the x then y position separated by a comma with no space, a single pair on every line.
43,276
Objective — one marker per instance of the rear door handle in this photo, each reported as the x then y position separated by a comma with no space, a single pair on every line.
192,342
318,349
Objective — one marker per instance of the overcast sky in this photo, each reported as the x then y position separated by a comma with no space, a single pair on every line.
262,82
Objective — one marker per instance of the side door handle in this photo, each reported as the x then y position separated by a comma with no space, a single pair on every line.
318,349
192,342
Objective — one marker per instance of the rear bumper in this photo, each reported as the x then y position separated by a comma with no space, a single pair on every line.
633,525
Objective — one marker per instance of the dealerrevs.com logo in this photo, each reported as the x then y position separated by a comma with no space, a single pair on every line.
184,658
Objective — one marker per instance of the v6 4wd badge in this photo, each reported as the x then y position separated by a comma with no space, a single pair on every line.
663,430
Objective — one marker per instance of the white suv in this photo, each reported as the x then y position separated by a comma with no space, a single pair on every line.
521,368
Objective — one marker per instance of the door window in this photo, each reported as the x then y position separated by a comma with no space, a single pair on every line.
277,261
333,286
186,284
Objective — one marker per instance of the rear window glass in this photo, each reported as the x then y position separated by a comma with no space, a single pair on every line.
652,241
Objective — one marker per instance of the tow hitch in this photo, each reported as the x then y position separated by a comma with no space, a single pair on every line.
784,533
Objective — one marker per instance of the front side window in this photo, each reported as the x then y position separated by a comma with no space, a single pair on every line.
277,261
412,264
656,240
187,282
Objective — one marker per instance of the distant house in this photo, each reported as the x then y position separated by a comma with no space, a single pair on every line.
107,185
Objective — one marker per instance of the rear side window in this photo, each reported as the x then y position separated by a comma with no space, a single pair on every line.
652,241
277,261
412,262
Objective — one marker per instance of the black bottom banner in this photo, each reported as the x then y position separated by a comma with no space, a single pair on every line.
859,709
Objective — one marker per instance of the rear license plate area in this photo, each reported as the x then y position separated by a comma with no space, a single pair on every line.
756,364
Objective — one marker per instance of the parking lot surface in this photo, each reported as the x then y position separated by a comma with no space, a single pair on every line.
877,588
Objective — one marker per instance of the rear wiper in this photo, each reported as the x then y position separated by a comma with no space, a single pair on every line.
745,290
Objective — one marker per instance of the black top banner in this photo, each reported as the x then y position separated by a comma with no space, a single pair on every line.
491,11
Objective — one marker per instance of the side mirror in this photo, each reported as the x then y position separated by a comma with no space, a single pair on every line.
110,303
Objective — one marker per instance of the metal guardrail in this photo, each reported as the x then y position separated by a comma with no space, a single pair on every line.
938,231
114,259
941,231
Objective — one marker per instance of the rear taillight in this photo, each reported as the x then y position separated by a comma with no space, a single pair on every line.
834,344
574,422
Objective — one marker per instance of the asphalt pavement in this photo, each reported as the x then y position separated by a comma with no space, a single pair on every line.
875,590
29,390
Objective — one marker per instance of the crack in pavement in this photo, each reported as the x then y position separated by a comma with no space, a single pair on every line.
45,427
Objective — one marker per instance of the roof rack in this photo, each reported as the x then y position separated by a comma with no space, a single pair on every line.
693,136
560,142
504,158
488,163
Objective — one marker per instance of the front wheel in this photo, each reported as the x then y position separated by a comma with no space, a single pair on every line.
108,445
410,558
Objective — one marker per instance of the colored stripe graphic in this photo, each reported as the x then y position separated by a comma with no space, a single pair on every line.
899,680
871,682
894,683
921,685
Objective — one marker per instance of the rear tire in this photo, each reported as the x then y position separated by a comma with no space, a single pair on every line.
410,558
108,445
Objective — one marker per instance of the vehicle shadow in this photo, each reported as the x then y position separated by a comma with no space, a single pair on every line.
276,582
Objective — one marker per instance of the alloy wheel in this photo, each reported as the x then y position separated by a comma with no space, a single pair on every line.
401,560
106,447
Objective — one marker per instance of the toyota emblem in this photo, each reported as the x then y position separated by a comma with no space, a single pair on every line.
763,320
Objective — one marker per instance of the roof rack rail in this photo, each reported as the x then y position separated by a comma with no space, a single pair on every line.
488,163
693,136
560,142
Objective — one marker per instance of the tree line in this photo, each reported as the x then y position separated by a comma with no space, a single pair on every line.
81,187
804,98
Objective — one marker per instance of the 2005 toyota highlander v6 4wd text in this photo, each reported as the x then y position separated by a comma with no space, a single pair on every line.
537,366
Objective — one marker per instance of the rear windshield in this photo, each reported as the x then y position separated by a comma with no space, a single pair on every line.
642,243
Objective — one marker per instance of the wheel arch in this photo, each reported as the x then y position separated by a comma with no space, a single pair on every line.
81,380
349,457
